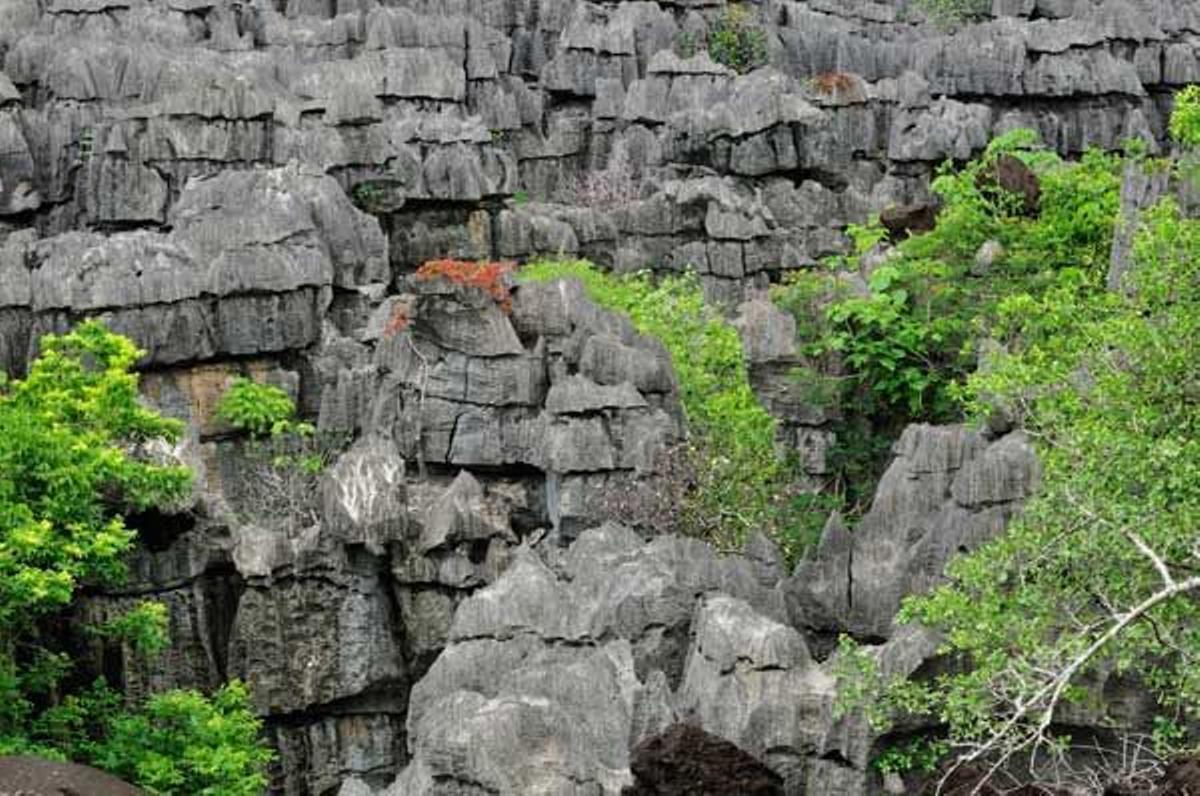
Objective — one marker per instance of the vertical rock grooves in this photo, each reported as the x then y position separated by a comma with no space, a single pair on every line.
247,189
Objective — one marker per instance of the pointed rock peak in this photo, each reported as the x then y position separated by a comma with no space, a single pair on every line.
763,550
463,513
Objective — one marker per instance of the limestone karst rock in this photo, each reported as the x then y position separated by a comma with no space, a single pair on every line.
247,189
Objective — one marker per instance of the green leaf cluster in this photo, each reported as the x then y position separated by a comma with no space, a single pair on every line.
76,455
183,742
69,469
742,485
899,331
1106,385
284,456
949,13
915,754
1185,129
260,409
736,41
144,627
1185,118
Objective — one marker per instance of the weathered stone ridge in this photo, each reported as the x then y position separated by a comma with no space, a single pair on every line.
477,432
248,188
436,115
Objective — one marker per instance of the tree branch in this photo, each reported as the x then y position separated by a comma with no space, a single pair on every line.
1052,691
1159,564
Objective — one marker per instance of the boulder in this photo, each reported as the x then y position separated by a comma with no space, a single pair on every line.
900,221
37,777
685,761
1010,174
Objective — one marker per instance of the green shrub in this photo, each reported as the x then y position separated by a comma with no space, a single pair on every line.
916,754
1097,575
1185,118
68,474
737,41
741,485
902,349
1185,129
948,13
260,409
1103,385
144,627
186,744
284,458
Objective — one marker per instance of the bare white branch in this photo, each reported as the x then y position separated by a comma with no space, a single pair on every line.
1047,698
1154,557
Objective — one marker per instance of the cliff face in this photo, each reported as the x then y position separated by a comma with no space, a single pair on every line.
247,188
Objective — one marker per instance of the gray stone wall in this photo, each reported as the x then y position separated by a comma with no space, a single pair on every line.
246,188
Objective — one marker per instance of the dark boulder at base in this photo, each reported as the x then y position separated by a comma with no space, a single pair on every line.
32,776
1011,174
1182,779
900,221
687,761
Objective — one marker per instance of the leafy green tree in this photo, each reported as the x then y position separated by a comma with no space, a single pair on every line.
186,743
1099,571
69,469
76,455
1099,574
901,348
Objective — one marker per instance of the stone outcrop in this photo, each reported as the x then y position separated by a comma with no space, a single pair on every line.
36,777
572,659
247,190
948,489
331,595
248,267
435,115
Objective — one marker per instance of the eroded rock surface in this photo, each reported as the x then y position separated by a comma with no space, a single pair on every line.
434,115
569,661
247,189
948,490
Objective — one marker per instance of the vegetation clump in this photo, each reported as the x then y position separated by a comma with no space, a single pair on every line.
76,457
948,13
259,409
737,41
490,277
1098,576
285,456
186,743
741,485
899,331
1185,119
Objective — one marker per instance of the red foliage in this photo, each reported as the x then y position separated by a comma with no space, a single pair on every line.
830,83
486,276
398,322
